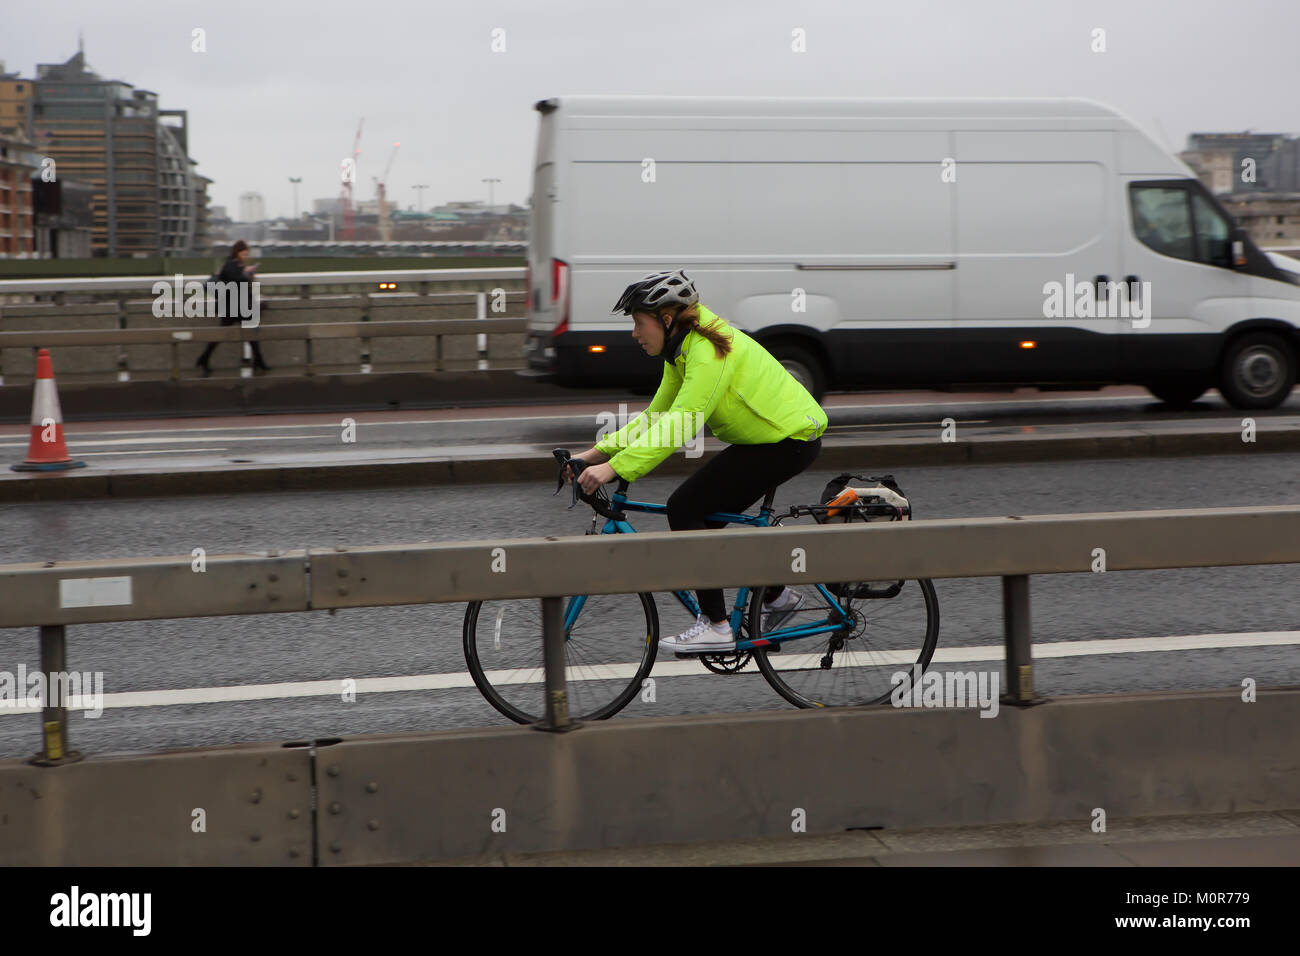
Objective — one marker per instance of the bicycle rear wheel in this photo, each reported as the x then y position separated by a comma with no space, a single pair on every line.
853,665
609,650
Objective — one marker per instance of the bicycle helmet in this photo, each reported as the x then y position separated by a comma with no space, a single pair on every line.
655,291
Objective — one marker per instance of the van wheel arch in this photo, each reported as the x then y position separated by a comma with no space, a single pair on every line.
804,353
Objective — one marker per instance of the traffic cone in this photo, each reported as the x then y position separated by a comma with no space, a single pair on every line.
46,451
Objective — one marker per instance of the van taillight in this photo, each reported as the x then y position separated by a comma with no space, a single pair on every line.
560,294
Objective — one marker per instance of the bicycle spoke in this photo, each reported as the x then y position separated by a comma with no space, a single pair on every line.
606,654
856,663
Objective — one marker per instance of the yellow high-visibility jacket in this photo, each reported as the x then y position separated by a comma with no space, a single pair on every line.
746,398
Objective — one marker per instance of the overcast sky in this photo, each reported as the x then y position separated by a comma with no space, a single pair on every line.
283,83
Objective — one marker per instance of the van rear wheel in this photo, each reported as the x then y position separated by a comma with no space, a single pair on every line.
1258,371
802,364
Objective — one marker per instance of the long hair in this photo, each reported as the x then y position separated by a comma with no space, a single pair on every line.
689,318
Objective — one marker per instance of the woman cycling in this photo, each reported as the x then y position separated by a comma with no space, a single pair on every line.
717,374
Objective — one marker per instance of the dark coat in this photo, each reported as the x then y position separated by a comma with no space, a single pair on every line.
232,271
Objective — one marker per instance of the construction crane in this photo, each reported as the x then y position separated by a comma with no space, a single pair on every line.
385,222
346,232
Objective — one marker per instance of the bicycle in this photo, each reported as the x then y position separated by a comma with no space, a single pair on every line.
841,635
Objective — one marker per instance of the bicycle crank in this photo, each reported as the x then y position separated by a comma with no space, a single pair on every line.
726,663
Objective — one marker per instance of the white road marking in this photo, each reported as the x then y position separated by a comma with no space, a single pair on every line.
74,442
959,421
670,667
149,451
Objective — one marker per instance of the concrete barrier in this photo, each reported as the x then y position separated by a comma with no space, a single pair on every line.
464,793
254,803
678,780
427,353
72,364
286,299
345,392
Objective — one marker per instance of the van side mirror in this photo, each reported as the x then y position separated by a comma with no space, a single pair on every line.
1238,248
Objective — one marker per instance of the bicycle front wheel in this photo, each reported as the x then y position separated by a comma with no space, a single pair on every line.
861,645
609,649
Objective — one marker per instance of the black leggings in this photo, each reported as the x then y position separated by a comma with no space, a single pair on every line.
734,480
258,361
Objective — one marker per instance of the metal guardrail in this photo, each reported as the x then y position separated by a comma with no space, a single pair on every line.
53,595
264,333
309,281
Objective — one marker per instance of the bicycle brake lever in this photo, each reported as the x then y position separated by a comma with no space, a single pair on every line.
562,456
573,480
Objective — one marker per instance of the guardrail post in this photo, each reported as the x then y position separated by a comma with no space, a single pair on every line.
557,697
482,341
1019,638
54,716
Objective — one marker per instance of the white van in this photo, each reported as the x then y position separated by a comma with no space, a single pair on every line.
894,243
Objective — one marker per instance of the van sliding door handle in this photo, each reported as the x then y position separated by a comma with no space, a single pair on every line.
1134,287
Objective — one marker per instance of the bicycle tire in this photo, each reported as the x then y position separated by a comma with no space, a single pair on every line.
532,675
924,652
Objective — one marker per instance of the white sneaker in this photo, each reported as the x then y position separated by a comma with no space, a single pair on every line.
703,637
779,611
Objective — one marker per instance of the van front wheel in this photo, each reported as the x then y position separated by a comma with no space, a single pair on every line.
803,365
1259,371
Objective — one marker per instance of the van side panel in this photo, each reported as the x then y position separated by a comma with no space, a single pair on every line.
846,244
1034,209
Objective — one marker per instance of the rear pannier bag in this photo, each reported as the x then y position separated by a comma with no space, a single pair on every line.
862,498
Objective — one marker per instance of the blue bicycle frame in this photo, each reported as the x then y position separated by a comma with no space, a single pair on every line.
620,502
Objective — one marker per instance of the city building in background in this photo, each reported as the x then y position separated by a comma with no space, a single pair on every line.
1257,178
65,218
252,208
19,162
148,199
1215,168
456,228
1258,162
15,102
218,225
1269,219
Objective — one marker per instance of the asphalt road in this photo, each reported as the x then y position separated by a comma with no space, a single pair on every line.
245,652
521,430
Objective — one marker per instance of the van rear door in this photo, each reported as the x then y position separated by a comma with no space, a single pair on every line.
541,244
545,303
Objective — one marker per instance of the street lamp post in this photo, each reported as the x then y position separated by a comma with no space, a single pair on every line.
490,182
295,180
419,197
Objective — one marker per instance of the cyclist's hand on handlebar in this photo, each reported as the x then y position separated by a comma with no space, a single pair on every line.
593,476
591,457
